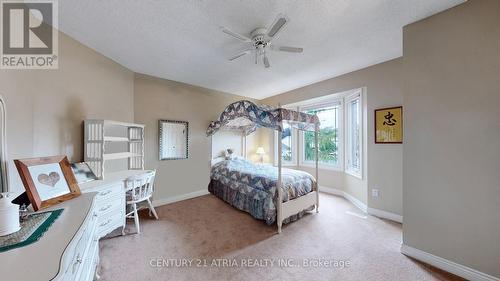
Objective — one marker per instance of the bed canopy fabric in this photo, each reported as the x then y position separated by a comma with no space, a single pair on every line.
246,116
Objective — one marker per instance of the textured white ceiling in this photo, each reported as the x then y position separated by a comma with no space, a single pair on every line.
181,40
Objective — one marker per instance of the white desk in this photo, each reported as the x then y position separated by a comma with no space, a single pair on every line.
110,200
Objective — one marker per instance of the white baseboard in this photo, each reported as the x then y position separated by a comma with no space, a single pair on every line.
331,190
362,206
173,199
446,265
385,215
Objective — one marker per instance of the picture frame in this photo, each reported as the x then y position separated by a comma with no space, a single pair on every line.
48,180
173,139
83,173
389,125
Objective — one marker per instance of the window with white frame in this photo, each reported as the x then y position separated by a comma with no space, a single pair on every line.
354,135
340,141
329,136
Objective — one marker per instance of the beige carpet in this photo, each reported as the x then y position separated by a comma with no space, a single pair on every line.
234,246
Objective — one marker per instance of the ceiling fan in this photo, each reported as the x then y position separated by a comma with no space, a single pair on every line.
260,39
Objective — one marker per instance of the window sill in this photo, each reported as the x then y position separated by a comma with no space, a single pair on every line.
356,174
285,164
322,167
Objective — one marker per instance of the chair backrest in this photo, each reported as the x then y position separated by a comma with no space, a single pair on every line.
140,187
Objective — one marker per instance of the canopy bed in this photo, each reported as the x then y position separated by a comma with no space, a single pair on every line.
252,187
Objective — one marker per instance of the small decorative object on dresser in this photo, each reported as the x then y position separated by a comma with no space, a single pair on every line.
9,215
173,139
47,180
82,172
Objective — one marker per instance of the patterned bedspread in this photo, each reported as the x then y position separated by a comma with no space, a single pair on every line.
252,187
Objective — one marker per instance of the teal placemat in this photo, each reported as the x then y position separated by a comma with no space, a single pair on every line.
31,230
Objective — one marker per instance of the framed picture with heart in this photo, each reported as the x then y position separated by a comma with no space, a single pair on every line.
47,180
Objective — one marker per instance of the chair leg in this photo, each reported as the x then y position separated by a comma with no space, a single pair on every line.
152,209
136,219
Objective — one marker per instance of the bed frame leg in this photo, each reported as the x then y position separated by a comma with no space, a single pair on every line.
280,223
317,201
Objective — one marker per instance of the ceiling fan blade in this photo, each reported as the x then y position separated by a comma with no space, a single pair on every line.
265,60
235,35
287,49
239,55
277,26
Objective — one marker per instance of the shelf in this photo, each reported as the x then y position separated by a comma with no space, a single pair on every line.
116,139
124,124
103,142
120,155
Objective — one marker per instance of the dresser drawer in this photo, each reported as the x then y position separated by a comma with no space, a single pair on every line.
81,247
110,191
111,203
109,222
90,264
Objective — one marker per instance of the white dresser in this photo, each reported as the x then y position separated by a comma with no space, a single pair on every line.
67,251
110,200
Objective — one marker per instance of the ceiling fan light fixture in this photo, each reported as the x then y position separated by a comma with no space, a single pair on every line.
261,38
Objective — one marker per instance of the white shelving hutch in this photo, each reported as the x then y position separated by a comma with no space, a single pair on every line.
98,136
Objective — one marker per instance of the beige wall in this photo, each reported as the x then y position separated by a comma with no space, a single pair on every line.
451,155
383,162
157,98
46,108
447,82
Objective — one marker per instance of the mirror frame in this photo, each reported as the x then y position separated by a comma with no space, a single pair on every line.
160,139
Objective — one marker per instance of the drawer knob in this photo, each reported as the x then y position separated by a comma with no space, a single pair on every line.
105,223
105,208
78,261
105,192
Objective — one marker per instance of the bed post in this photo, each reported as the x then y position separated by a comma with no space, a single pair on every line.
244,145
316,160
211,153
279,202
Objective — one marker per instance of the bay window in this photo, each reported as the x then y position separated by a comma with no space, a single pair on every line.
353,135
328,136
340,140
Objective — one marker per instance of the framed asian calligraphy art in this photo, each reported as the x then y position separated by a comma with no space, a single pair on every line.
389,125
47,180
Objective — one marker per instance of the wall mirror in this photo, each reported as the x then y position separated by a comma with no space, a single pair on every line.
4,180
174,136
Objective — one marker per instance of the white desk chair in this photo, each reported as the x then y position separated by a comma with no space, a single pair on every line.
138,189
